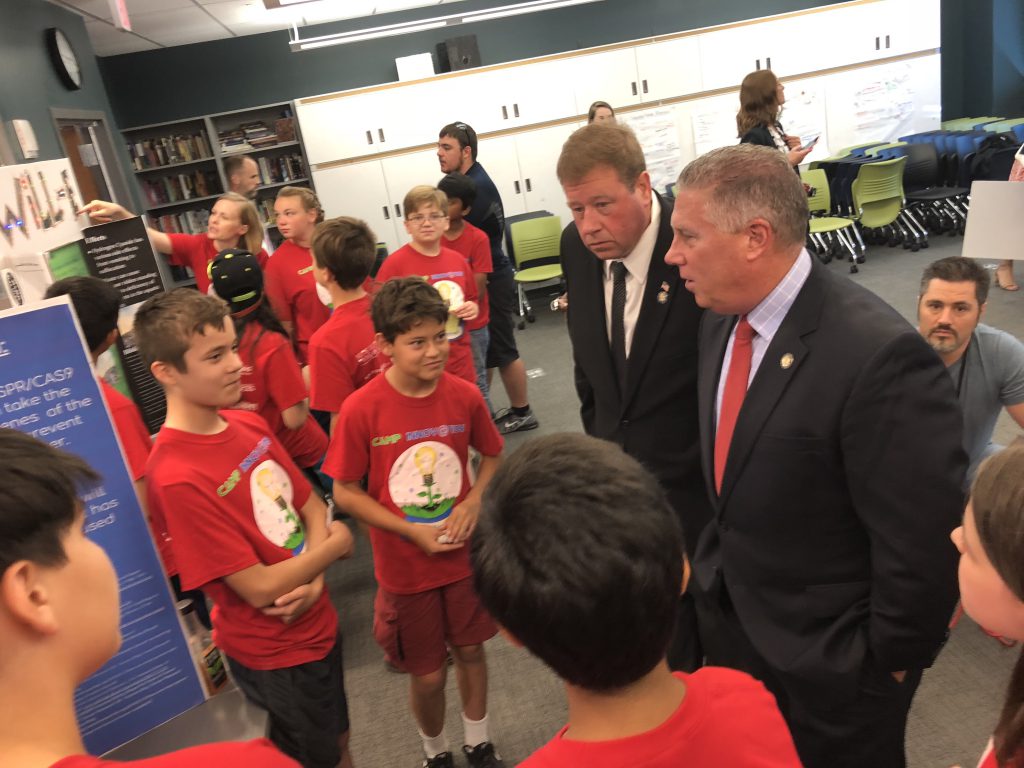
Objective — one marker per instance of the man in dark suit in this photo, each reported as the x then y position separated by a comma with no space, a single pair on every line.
635,350
830,438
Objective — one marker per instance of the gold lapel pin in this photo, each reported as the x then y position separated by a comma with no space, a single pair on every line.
786,361
663,294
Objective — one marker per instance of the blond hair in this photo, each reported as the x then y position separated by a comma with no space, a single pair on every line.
252,240
310,202
422,195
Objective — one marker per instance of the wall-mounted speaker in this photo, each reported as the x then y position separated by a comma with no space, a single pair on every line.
457,53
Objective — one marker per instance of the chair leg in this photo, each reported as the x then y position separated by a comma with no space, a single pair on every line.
848,244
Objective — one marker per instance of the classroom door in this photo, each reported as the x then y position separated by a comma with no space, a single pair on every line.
87,145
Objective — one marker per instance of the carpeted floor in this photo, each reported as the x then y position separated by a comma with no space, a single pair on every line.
955,708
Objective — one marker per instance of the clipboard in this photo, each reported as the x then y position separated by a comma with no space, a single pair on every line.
994,229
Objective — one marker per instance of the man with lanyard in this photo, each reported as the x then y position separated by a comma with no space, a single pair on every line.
986,364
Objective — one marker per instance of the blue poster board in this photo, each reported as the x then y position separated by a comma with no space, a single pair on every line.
47,389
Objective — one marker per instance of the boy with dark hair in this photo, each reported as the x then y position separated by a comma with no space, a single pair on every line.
410,430
59,617
474,247
245,527
426,221
343,353
595,599
457,151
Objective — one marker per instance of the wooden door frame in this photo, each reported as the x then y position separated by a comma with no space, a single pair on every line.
116,179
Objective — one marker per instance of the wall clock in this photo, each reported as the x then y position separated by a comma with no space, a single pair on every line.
64,59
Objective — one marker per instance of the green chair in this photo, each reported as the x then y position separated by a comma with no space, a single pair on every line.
822,225
536,245
846,151
878,149
879,203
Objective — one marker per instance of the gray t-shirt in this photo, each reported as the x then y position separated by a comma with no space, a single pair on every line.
993,378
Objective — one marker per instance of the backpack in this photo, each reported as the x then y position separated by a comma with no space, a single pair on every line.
994,158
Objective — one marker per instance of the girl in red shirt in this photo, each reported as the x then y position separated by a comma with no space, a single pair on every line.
234,223
272,383
991,542
291,286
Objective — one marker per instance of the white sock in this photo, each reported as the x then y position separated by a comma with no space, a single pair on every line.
475,731
434,745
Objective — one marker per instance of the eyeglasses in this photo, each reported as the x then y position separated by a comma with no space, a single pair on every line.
419,218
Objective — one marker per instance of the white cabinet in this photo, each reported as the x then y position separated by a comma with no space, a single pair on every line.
670,68
523,169
609,76
516,96
786,46
359,190
880,30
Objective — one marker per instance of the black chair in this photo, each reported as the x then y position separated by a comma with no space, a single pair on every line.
943,208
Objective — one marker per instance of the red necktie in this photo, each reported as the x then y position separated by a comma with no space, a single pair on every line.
732,396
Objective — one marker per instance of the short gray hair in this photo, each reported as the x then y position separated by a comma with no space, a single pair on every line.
748,181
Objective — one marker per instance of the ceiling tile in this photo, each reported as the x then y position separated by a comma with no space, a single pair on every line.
109,41
176,27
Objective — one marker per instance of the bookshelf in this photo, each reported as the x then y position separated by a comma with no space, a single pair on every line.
179,165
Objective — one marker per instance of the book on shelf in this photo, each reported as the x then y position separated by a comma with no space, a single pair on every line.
192,222
168,150
285,129
174,188
247,136
281,169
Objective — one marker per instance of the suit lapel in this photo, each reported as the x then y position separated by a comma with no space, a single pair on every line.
662,280
594,316
779,365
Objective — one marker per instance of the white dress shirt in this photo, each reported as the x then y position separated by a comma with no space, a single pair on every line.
765,319
637,264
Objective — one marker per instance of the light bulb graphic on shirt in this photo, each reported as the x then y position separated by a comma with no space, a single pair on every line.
425,459
275,515
454,297
425,480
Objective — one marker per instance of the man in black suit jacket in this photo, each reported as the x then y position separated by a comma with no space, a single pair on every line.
651,411
827,572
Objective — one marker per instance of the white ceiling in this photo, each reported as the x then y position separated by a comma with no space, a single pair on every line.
164,23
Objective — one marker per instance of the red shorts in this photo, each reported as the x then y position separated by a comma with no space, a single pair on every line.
416,630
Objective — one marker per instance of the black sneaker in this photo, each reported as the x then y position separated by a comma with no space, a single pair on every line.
483,756
443,760
509,421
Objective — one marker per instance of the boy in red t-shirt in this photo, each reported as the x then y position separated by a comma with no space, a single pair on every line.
59,617
475,248
239,512
410,430
97,304
580,559
343,353
426,220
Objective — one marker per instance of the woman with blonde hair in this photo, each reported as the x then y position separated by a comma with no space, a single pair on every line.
757,122
234,223
291,286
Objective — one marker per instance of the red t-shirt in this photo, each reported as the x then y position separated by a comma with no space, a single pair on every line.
475,248
343,355
726,719
258,753
453,278
271,383
292,291
988,760
197,251
416,451
133,433
230,501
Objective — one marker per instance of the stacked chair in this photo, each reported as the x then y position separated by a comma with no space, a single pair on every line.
536,245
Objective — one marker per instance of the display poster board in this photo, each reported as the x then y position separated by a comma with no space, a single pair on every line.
47,389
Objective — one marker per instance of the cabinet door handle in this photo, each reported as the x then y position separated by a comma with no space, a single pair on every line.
369,138
757,64
398,211
768,65
515,110
504,112
387,216
380,132
645,86
634,87
886,41
878,44
529,187
516,185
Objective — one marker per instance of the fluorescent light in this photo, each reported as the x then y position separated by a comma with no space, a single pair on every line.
409,27
369,34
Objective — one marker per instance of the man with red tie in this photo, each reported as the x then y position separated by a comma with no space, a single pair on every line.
831,448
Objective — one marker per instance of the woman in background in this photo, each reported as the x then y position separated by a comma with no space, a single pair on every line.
234,223
757,122
991,544
600,112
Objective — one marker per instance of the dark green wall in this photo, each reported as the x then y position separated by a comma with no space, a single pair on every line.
28,83
156,86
